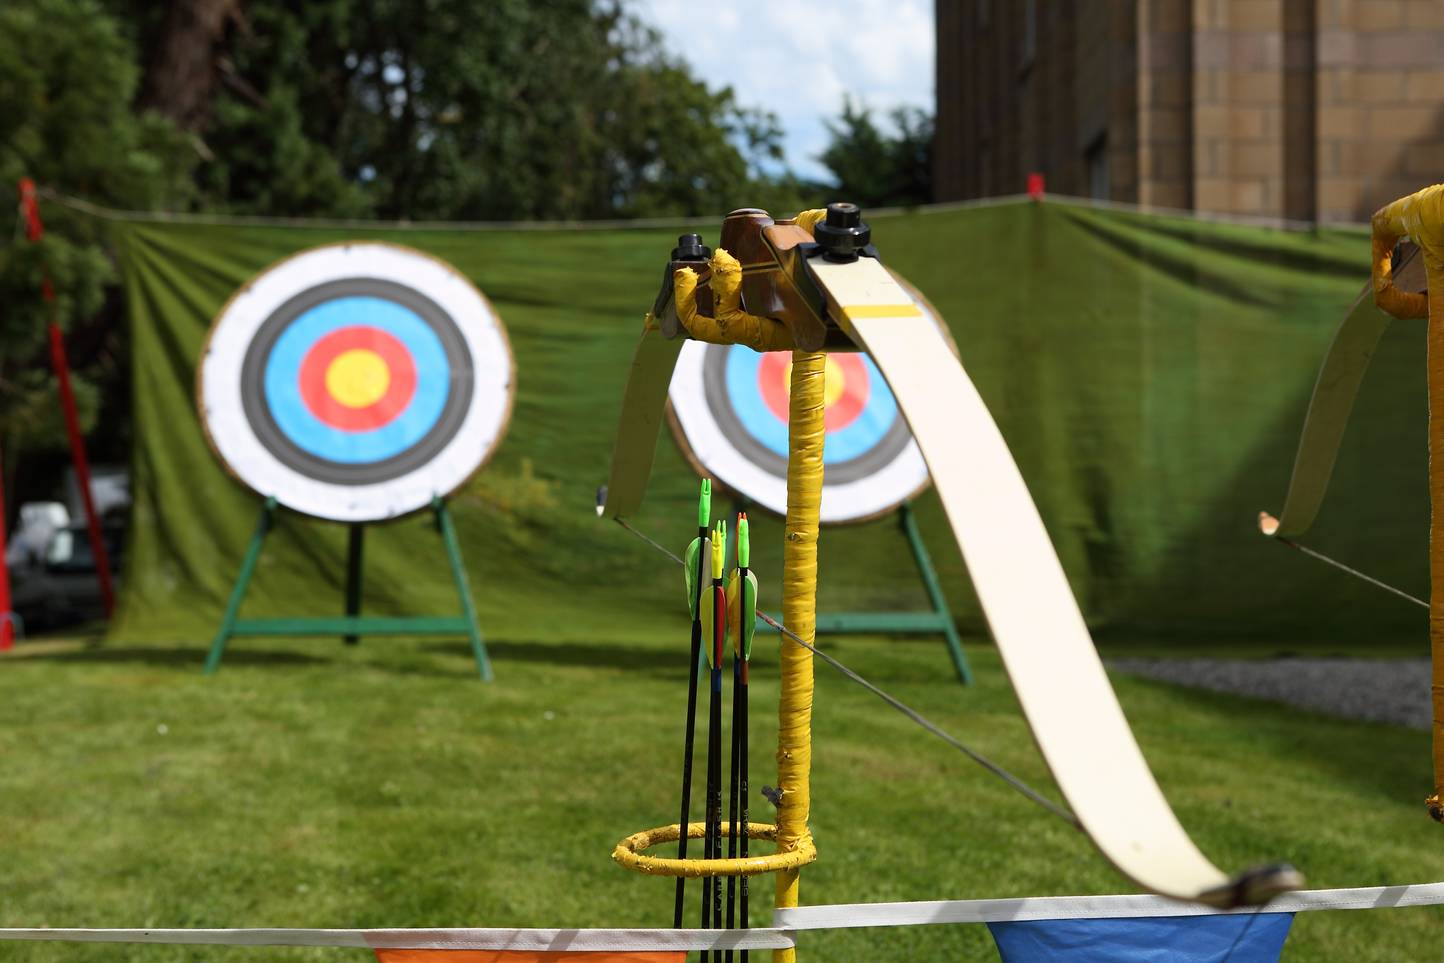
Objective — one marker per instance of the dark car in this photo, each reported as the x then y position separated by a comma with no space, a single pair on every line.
63,588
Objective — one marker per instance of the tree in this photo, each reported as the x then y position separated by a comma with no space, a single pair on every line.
67,80
468,109
187,61
873,168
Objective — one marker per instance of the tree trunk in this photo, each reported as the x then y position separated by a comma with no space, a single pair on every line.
186,61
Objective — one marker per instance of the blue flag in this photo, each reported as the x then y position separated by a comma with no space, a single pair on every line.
1241,938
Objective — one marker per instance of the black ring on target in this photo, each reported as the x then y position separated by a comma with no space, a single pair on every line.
276,440
894,438
729,409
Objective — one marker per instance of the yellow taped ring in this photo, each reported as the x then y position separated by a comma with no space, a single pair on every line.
629,853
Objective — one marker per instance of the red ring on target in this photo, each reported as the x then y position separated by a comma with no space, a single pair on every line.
331,410
772,377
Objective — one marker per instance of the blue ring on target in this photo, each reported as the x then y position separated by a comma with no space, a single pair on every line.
296,422
872,424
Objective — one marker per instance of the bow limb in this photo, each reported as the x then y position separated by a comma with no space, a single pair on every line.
644,404
1337,387
1040,633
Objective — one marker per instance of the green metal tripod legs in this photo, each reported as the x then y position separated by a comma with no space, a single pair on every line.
353,625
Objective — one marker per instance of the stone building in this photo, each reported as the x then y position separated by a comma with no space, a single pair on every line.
1309,110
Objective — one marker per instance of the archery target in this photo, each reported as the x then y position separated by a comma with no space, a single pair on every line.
729,408
356,382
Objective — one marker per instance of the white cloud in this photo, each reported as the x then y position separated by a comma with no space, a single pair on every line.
799,58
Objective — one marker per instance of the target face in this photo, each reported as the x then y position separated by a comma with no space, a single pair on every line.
356,382
729,409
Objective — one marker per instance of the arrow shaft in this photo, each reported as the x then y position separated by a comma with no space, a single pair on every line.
714,805
732,795
741,696
689,739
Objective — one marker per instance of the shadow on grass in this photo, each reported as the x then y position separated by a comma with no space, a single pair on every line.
603,655
176,657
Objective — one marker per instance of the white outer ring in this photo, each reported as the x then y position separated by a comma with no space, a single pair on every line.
482,428
882,491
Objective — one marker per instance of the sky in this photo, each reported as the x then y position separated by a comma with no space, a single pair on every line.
797,58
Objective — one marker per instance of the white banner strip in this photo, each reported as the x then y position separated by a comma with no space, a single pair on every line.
787,922
847,916
543,940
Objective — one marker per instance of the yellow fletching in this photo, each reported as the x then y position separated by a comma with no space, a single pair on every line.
734,604
719,551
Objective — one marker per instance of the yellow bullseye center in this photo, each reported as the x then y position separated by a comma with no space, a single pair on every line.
358,378
836,381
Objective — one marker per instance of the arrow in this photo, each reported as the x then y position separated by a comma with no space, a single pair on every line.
697,571
742,613
715,612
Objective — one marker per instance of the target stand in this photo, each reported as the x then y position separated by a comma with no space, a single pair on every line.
353,624
728,409
355,382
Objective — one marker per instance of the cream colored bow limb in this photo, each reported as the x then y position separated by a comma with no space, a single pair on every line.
1340,376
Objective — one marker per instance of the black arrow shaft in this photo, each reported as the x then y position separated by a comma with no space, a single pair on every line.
691,734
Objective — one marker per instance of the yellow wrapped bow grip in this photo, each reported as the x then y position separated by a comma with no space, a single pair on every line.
730,325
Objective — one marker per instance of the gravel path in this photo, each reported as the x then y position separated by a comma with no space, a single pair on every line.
1378,690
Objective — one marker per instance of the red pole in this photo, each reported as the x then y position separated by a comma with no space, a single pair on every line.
1035,186
7,616
35,230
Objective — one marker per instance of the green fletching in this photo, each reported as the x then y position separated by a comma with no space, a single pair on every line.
703,596
704,504
690,571
744,544
748,615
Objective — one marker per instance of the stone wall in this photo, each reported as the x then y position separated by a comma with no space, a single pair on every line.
1286,109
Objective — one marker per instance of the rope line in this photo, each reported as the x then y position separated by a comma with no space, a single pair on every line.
1026,790
1352,571
644,223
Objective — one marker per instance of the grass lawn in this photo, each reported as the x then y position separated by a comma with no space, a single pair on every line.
312,785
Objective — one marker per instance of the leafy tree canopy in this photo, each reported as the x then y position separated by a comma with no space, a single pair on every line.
465,109
874,168
67,80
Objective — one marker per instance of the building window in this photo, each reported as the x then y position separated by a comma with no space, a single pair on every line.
1096,159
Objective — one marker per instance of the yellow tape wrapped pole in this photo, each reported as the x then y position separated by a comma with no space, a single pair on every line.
1421,217
805,432
731,324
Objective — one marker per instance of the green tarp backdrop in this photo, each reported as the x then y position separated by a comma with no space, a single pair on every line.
1149,372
